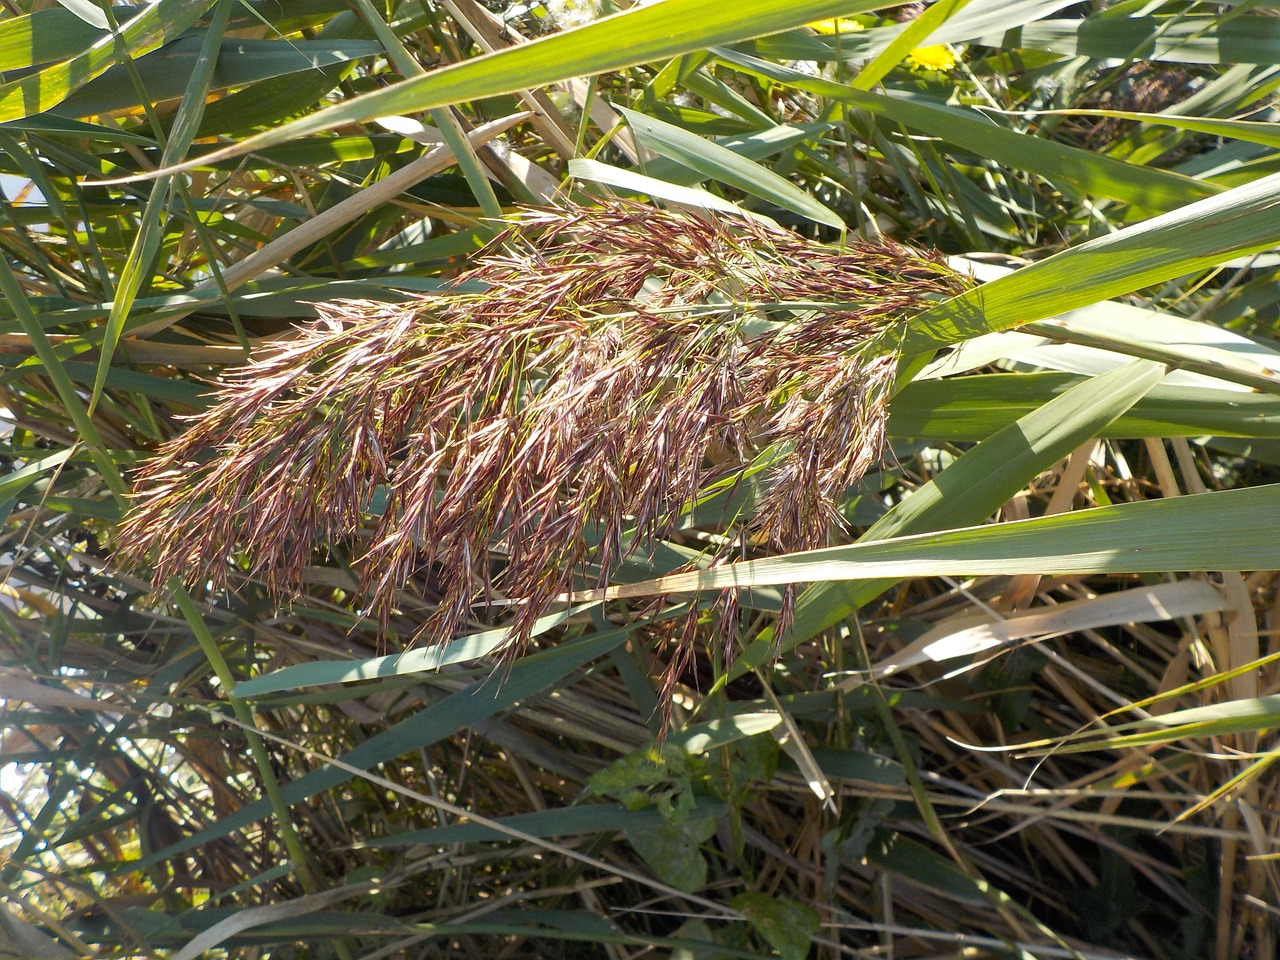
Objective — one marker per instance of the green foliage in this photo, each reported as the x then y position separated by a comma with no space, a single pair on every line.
786,925
662,779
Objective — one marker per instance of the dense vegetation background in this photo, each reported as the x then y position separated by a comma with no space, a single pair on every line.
1031,728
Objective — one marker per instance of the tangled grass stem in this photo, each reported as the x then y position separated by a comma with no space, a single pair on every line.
565,402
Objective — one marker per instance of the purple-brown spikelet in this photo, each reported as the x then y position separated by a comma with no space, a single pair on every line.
567,400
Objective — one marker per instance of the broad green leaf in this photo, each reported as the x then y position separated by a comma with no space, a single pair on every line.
672,848
837,763
787,925
718,733
921,865
720,163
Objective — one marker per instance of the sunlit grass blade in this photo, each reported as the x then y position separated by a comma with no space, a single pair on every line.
720,163
139,264
1210,531
1204,234
1215,720
914,34
653,32
638,183
973,408
474,647
150,29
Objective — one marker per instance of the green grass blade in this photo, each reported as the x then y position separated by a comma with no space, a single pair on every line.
146,243
1242,221
1250,131
629,180
973,408
474,703
653,32
1213,39
758,145
912,36
1215,720
317,672
150,29
972,489
1209,531
74,406
43,37
1080,171
314,65
18,480
720,163
978,18
575,821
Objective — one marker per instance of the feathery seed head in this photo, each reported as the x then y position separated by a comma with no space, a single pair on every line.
567,401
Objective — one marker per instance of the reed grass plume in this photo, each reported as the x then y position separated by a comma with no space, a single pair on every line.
566,401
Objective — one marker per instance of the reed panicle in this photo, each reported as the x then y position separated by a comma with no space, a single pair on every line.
566,401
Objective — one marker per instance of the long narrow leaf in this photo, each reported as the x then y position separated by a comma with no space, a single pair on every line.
653,32
1086,173
467,707
720,163
1204,234
151,28
151,224
980,482
1209,531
